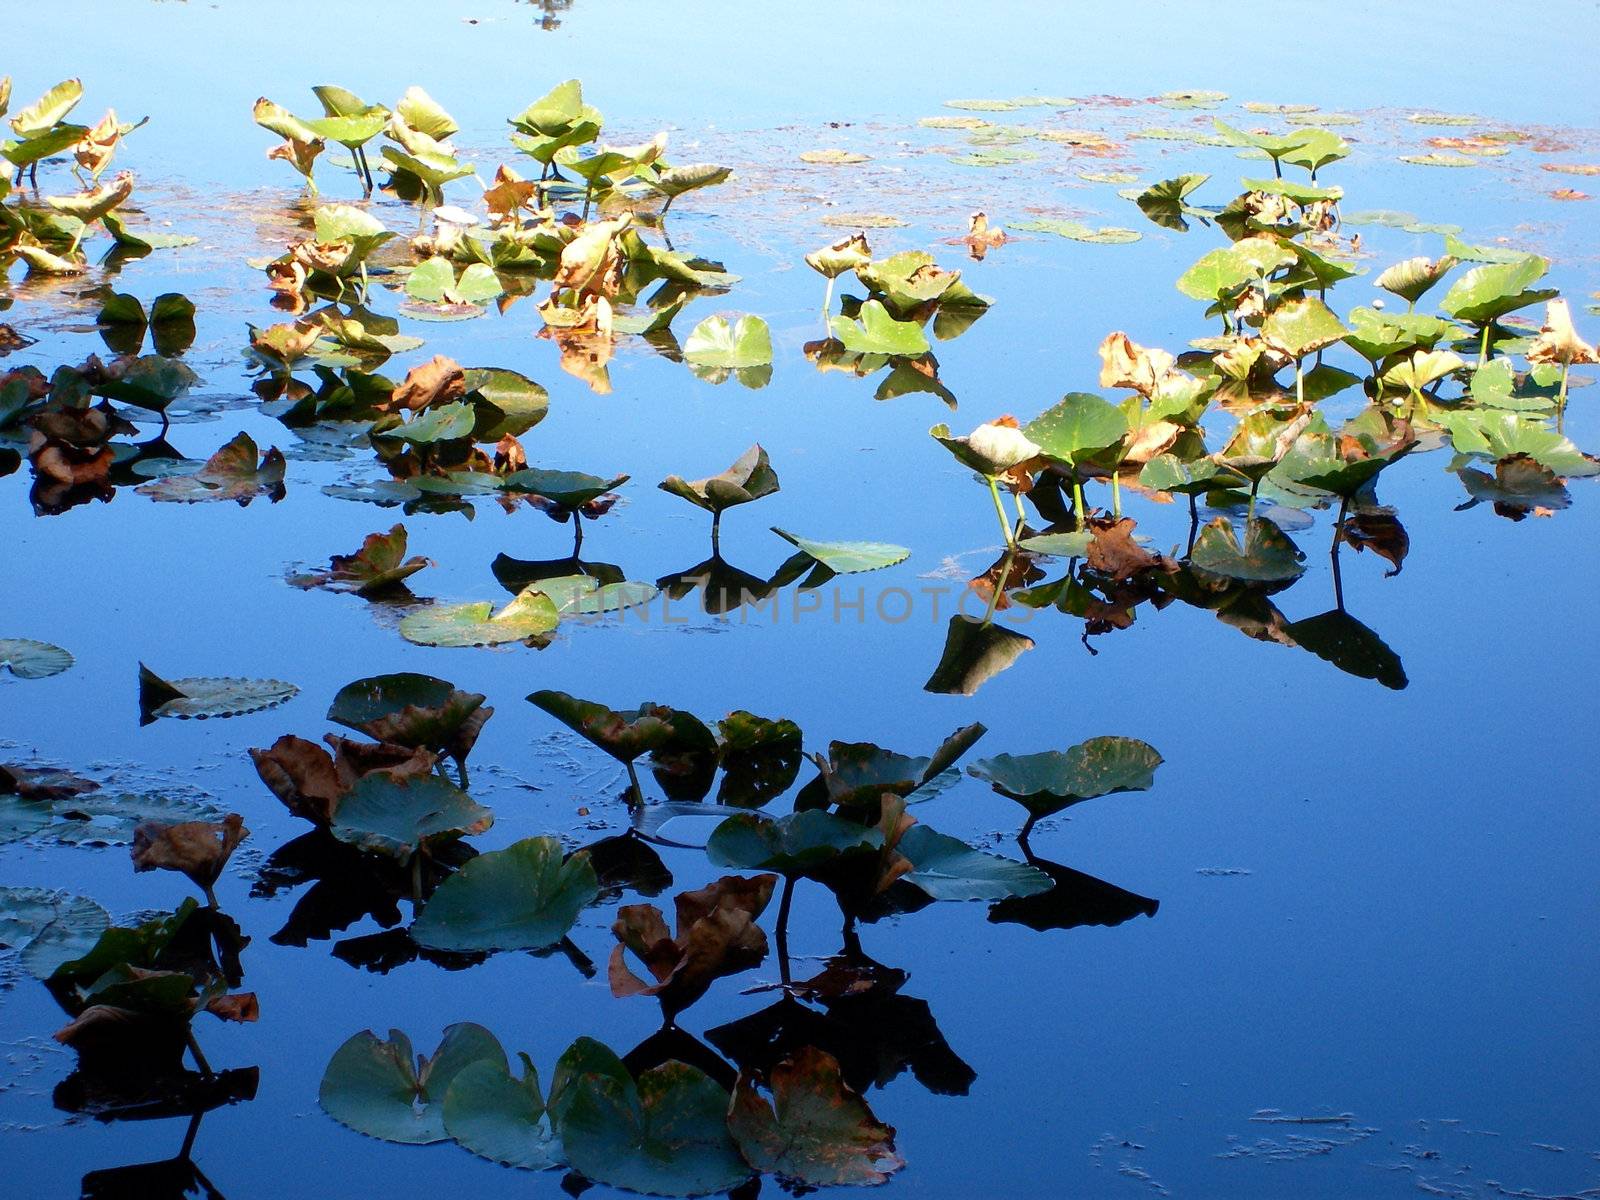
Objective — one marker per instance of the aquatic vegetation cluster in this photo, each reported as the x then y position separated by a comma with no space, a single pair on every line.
780,1091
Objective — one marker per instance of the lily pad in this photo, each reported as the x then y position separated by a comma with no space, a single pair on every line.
380,1088
48,928
206,696
847,558
817,1130
396,815
791,845
28,659
501,1118
946,868
718,342
530,614
876,332
525,897
665,1133
1052,780
749,478
1267,556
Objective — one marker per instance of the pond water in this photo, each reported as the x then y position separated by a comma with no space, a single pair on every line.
1342,945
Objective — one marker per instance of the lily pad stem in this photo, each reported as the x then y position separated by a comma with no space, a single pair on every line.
1000,510
1561,396
1483,345
633,780
199,1058
783,929
416,878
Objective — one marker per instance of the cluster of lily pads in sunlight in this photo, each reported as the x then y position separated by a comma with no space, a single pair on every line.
1241,420
48,233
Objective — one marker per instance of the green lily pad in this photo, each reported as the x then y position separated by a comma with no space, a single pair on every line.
28,659
202,697
876,332
524,897
567,489
1267,556
1490,291
48,928
847,558
446,423
1050,781
585,596
946,868
409,709
381,1089
750,478
509,403
1076,427
624,735
665,1134
1077,231
398,815
501,1118
530,614
791,845
104,818
718,342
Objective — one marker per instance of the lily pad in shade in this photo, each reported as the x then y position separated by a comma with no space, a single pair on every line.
1050,781
876,332
718,342
397,815
530,614
48,927
509,404
1169,473
410,709
817,1130
201,697
569,489
28,659
946,868
665,1134
525,897
975,652
790,845
847,558
110,818
382,1089
1337,637
501,1118
1267,556
749,478
624,735
22,817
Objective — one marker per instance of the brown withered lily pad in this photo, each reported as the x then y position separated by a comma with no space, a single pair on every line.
237,472
198,849
717,935
816,1130
379,566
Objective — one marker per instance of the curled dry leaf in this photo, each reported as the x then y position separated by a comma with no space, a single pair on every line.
438,381
1558,340
1113,552
717,935
199,849
1126,364
310,781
